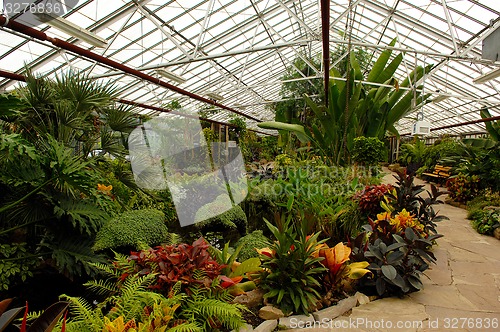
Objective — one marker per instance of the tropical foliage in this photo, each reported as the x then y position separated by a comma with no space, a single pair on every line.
54,135
357,109
290,271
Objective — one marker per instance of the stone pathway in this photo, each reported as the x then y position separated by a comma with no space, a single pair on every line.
462,292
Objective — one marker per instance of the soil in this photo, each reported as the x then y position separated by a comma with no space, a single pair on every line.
252,316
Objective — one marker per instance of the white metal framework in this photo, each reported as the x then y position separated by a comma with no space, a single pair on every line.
240,49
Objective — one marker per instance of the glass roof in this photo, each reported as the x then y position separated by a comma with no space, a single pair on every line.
240,49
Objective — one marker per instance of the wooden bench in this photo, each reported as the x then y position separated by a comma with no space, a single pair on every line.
440,172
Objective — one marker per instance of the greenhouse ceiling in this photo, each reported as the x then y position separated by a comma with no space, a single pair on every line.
235,52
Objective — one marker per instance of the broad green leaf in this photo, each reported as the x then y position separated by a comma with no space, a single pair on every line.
390,69
249,265
294,128
389,271
379,65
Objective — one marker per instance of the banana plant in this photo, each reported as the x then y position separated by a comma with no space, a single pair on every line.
492,127
358,109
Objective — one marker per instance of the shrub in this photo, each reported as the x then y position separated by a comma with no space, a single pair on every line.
463,188
441,149
346,222
368,151
370,197
130,305
406,196
234,218
398,250
136,229
249,243
340,272
486,221
283,160
183,262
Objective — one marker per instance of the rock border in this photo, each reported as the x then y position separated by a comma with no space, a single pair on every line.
297,322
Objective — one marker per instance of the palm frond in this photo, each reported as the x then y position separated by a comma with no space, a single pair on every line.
120,119
86,217
73,254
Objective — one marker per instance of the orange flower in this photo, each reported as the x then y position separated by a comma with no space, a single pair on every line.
102,187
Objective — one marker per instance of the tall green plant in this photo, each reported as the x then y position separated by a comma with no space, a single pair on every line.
358,109
291,274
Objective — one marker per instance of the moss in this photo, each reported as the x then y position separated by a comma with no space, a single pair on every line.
233,219
137,228
249,242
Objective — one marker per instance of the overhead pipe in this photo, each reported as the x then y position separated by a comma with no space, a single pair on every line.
493,118
164,110
21,28
21,78
325,33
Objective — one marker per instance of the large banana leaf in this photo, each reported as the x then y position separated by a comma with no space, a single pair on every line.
493,128
380,64
294,128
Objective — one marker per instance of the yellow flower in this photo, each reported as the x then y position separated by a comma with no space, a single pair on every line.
404,219
383,216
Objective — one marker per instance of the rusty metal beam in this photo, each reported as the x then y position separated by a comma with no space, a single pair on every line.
21,78
325,36
33,33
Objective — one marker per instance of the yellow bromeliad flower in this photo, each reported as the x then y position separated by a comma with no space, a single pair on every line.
404,219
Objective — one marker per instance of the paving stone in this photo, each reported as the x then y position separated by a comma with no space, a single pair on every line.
267,326
484,297
390,314
473,273
442,296
336,310
439,273
293,322
446,319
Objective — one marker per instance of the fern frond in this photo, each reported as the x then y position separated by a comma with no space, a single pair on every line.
123,264
106,269
83,314
227,314
102,287
134,296
186,327
176,289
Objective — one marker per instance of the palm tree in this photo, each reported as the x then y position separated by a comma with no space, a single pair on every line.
53,138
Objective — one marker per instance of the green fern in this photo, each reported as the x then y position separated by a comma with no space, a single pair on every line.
102,287
134,296
205,308
83,316
186,327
